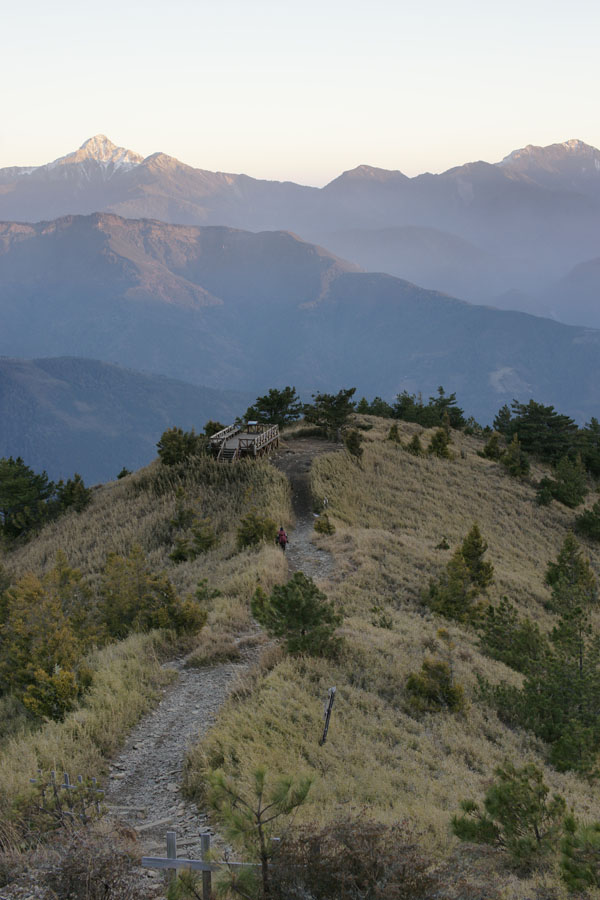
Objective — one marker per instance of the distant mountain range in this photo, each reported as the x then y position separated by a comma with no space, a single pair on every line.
227,308
79,415
479,230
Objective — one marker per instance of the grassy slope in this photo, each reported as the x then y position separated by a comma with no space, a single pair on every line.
391,510
128,676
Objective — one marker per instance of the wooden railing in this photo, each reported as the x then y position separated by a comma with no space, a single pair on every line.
261,440
224,434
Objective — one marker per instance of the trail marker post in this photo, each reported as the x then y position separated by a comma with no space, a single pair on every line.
327,714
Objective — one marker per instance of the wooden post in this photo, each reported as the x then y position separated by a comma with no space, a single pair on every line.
96,792
172,853
206,876
328,708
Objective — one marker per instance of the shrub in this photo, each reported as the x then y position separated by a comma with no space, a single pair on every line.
93,865
355,859
414,446
466,576
134,598
569,486
72,494
212,427
588,523
515,460
352,442
439,445
492,449
434,688
254,529
323,525
518,816
393,434
204,536
300,613
176,446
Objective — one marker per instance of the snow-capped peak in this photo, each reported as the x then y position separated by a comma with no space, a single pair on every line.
554,152
100,150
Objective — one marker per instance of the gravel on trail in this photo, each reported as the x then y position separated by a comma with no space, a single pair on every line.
145,779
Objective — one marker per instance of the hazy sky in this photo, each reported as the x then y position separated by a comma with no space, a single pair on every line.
302,90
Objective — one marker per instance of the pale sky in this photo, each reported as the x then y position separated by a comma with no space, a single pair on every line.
298,91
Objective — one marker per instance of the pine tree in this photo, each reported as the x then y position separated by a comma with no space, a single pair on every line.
439,444
414,446
514,459
453,595
569,485
473,549
571,578
588,523
492,449
300,613
278,407
517,642
252,815
580,855
518,816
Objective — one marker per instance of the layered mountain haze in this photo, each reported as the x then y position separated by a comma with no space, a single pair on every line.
480,230
576,297
71,415
225,308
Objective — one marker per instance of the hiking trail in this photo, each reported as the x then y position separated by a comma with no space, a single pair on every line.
143,790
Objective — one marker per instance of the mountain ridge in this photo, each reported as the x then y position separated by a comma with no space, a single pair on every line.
224,307
533,215
67,414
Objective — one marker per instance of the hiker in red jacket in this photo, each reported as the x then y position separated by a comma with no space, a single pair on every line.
282,538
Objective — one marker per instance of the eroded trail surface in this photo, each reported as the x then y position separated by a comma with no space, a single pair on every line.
144,785
295,460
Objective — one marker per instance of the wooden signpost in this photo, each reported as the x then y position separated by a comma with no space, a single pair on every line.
171,862
327,714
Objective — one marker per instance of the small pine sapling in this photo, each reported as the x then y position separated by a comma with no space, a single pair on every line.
414,446
253,816
299,613
439,445
518,816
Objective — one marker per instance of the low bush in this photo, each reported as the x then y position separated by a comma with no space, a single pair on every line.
517,816
254,529
356,859
433,688
323,525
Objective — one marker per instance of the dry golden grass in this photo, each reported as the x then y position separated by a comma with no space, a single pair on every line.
127,680
138,510
391,510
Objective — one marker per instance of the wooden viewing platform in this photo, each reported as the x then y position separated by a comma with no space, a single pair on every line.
238,441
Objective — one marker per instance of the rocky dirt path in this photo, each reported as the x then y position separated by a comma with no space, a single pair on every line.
295,460
144,785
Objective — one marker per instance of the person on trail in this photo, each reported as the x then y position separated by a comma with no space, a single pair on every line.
282,538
